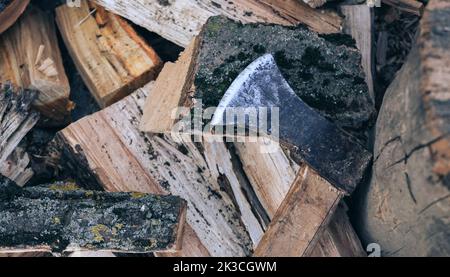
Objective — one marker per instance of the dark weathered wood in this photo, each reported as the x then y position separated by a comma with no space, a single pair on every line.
405,209
16,120
66,218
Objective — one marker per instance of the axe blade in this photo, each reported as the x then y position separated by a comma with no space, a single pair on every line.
334,154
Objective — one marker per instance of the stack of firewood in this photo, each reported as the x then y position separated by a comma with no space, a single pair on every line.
120,180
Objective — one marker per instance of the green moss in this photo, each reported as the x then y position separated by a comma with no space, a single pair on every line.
67,187
98,231
213,28
56,220
137,195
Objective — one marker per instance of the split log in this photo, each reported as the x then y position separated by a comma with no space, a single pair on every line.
162,105
64,218
181,20
111,57
299,221
30,58
325,71
120,157
16,120
16,167
272,174
359,23
405,209
409,6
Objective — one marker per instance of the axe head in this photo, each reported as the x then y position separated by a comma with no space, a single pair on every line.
334,154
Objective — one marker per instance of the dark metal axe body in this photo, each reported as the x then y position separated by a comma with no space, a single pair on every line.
333,161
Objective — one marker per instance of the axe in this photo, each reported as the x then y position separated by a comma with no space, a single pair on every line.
332,161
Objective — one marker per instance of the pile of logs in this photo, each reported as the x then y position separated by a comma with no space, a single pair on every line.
136,186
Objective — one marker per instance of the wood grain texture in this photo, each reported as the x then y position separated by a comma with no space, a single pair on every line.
271,173
170,92
17,167
359,23
298,224
181,20
12,12
406,206
16,120
110,56
339,239
20,64
121,158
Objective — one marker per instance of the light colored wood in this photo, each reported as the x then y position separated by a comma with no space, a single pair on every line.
19,48
182,20
38,251
338,238
359,24
301,218
170,92
16,167
409,6
271,173
110,56
11,13
124,159
223,167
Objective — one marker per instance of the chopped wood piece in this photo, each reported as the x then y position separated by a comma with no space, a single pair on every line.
110,56
66,219
16,167
30,58
339,239
16,120
181,20
410,6
409,188
271,173
119,157
301,218
359,23
170,92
